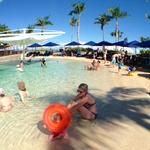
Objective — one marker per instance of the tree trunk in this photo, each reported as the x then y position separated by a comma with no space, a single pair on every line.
78,31
117,30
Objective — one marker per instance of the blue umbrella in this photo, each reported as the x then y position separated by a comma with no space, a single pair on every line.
73,44
103,43
51,44
144,44
90,43
132,44
35,45
120,43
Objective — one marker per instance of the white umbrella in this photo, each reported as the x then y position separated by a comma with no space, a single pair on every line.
28,38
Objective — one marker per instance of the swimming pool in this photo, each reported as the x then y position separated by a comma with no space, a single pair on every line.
21,128
59,77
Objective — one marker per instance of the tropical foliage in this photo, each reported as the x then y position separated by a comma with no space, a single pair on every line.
148,17
119,34
73,23
4,28
103,20
42,22
142,39
117,14
145,53
30,29
78,9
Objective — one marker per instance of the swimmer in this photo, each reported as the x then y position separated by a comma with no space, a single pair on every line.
43,62
18,68
56,118
22,91
6,102
91,66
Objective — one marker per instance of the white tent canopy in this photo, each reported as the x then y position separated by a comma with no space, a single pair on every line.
28,38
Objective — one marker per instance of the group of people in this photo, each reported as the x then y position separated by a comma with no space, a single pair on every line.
93,66
6,102
84,103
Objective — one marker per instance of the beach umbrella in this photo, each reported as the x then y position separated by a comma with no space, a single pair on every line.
73,44
132,44
121,43
35,45
51,44
90,43
25,38
144,44
103,43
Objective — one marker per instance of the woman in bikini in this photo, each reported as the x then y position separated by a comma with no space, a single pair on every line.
86,106
6,103
83,103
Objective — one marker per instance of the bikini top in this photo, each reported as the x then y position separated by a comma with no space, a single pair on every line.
88,105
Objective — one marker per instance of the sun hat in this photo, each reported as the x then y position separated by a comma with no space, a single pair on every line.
21,86
2,91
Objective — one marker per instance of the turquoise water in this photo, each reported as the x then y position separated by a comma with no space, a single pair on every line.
59,77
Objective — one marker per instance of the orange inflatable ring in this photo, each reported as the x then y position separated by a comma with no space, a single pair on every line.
65,114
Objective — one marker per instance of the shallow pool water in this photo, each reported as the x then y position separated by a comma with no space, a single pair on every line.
59,77
22,127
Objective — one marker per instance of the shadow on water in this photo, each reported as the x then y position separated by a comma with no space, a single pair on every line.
120,104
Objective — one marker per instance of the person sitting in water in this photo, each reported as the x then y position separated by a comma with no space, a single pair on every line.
131,69
84,103
98,65
43,62
22,91
20,66
86,106
6,102
91,66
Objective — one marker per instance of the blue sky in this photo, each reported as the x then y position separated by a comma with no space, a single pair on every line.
22,13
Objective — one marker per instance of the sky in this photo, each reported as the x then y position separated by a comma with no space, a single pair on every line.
22,13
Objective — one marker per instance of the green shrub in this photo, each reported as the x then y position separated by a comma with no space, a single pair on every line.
145,53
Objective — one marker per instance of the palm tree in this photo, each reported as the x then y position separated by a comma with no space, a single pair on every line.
4,28
103,20
30,29
142,39
73,22
148,17
116,14
78,9
119,34
42,22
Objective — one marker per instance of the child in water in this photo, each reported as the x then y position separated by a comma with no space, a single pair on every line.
56,118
